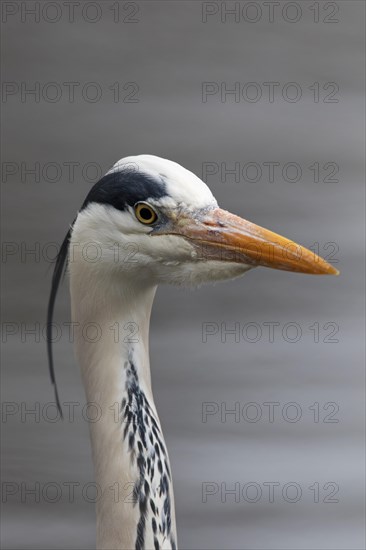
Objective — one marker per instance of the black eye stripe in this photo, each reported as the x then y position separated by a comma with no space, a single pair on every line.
124,188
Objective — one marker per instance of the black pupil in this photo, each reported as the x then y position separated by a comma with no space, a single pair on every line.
146,214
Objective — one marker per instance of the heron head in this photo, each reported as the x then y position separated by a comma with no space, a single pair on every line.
153,220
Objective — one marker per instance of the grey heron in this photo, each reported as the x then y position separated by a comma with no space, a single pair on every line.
178,235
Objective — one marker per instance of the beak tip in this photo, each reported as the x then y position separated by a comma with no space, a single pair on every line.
327,269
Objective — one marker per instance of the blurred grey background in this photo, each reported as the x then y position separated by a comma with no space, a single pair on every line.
167,50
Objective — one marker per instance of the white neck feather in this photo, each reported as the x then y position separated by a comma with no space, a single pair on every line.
136,506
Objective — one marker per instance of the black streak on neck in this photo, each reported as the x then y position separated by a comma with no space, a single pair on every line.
146,446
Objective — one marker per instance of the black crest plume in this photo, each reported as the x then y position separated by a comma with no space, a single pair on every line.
58,272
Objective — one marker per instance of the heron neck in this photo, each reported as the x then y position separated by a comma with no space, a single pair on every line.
136,507
112,328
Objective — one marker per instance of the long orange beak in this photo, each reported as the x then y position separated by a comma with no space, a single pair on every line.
219,235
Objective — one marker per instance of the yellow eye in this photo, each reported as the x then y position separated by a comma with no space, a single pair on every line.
145,214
